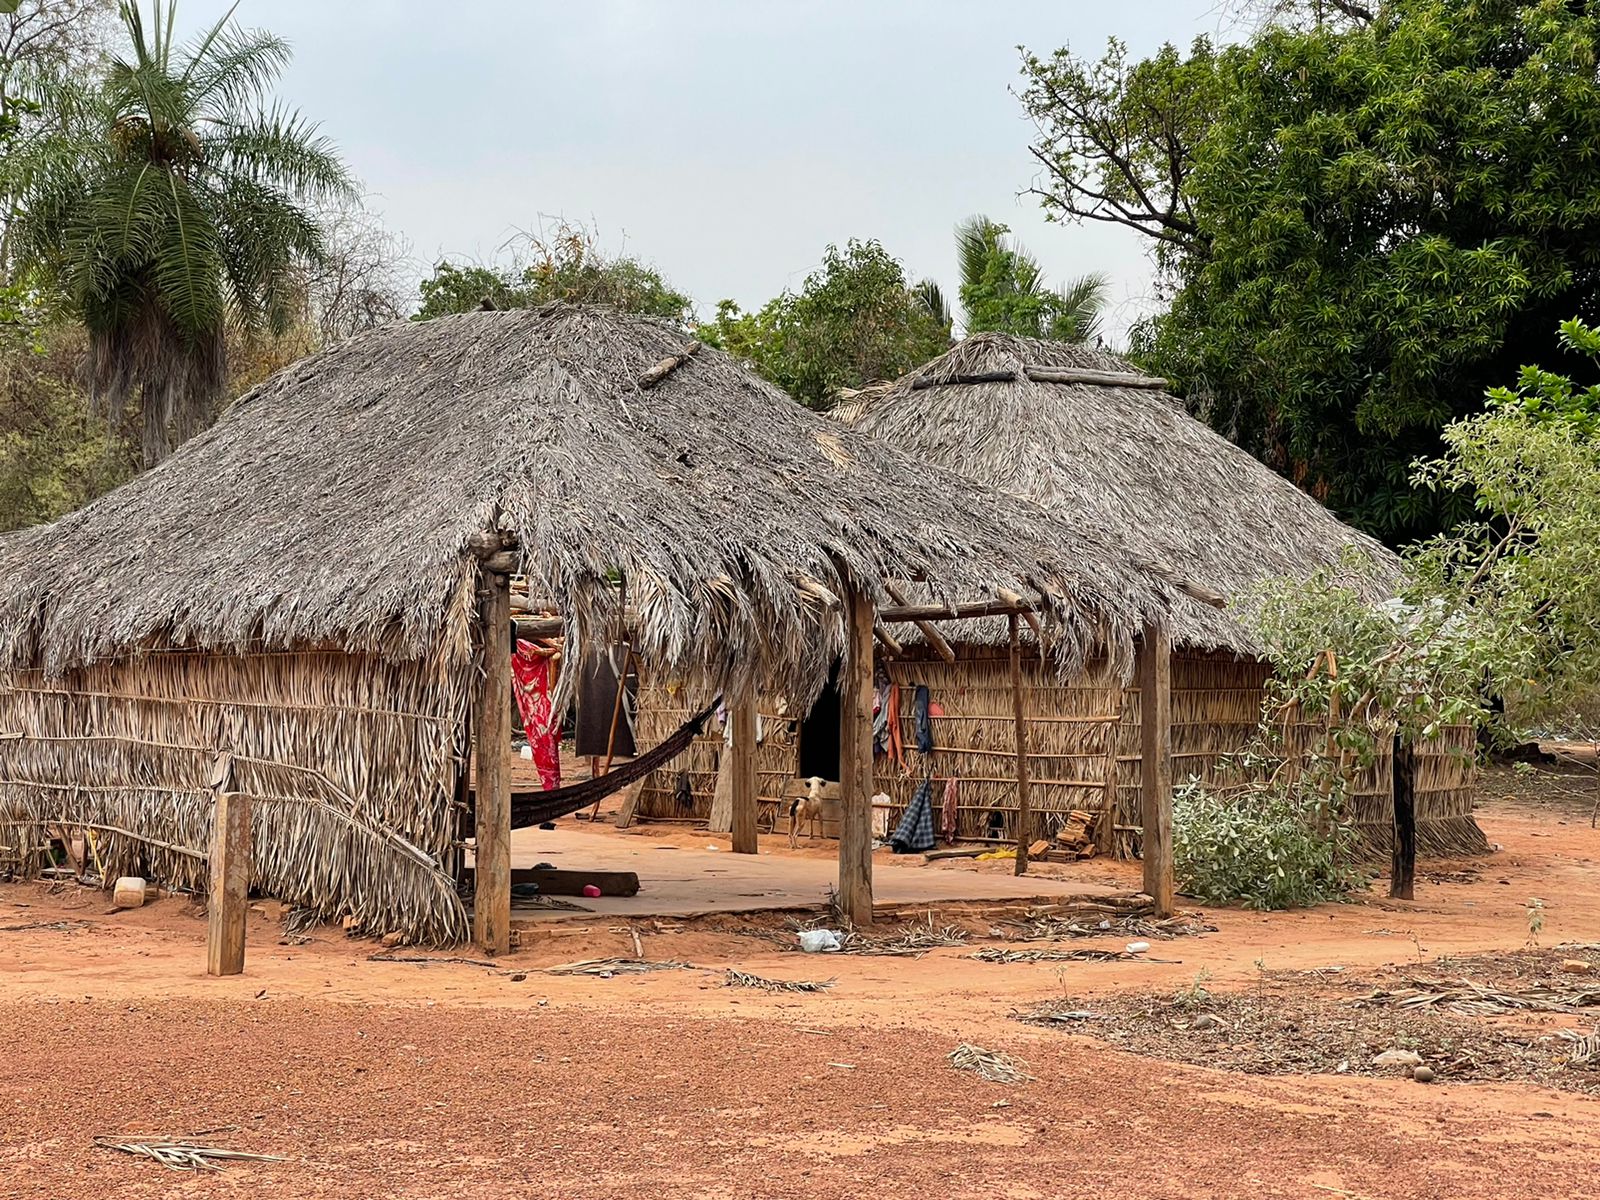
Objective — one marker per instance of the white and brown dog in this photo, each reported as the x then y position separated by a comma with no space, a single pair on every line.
808,808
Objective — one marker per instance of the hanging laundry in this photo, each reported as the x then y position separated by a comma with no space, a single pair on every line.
896,748
914,834
919,711
950,811
531,666
882,690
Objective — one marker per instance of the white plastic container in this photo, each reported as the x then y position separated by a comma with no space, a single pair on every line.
128,892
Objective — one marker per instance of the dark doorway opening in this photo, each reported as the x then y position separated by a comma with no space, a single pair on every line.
819,733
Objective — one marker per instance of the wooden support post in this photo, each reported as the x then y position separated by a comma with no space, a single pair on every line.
1403,858
491,856
855,760
1155,752
744,776
933,637
229,900
1105,833
1019,716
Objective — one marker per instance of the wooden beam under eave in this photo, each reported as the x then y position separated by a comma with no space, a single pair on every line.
924,627
855,761
1155,753
491,721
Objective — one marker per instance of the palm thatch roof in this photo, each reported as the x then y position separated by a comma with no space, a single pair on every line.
1085,434
335,505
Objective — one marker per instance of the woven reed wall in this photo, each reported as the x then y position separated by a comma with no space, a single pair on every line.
663,709
350,763
1216,709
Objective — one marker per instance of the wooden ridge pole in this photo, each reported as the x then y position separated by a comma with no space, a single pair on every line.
491,719
855,760
229,900
1020,717
1155,753
744,776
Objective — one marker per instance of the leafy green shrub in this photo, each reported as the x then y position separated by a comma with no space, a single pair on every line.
1260,845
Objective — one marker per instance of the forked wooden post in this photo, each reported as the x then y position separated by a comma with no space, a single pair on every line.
229,900
491,719
1403,857
1019,713
855,760
744,777
1155,752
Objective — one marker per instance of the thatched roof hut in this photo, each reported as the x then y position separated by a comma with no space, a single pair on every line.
1087,435
1081,430
297,586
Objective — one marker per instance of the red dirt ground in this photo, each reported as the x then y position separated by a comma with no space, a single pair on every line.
448,1080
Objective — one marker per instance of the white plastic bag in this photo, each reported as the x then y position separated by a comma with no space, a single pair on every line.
819,941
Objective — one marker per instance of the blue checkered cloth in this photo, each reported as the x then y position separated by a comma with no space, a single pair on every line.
914,834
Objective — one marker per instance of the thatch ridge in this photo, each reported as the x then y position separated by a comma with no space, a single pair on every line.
1129,462
333,505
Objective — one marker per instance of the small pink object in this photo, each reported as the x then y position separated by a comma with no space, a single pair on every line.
590,890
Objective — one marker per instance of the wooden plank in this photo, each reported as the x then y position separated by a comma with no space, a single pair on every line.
1125,379
1020,718
743,776
229,900
1403,857
1155,744
630,803
491,903
855,760
557,881
721,818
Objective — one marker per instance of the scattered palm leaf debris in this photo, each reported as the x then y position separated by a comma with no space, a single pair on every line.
429,958
995,954
180,1153
63,926
744,979
299,921
1480,999
914,940
1584,1049
605,968
1040,926
993,1065
542,901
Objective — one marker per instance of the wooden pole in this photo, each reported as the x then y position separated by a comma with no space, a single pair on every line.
1403,858
1020,717
1155,752
1105,833
855,761
744,777
230,873
491,856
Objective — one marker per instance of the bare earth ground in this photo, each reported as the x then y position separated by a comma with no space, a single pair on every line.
451,1080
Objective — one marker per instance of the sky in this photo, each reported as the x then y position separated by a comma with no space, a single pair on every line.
726,142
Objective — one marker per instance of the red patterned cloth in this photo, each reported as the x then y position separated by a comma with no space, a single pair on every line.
530,682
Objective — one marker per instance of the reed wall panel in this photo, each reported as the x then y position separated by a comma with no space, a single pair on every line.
1073,727
350,762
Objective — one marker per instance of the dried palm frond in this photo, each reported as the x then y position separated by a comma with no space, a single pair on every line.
180,1154
1481,999
994,954
743,979
605,968
993,1065
1584,1050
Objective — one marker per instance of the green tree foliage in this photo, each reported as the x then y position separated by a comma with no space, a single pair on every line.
166,201
1361,224
566,264
1003,288
855,320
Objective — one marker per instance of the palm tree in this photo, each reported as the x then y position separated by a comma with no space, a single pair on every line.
169,202
1003,288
